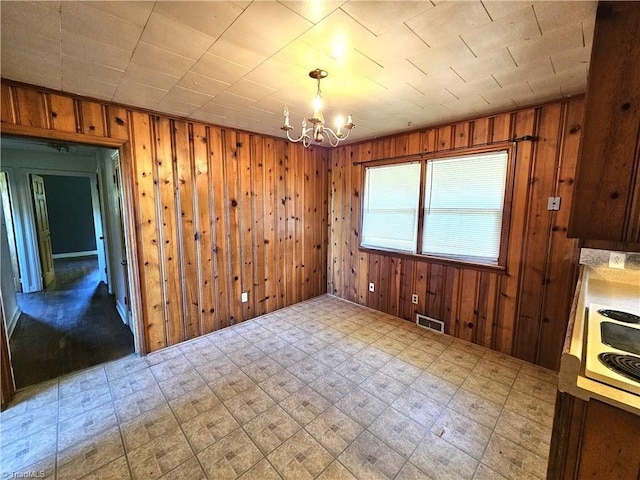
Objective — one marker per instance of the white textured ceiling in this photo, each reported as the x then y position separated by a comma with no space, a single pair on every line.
394,65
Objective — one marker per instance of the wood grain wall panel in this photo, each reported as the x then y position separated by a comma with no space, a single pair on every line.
92,118
7,105
147,235
188,236
515,311
204,196
217,212
63,113
31,108
169,234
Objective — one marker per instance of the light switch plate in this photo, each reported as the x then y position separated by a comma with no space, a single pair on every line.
372,287
245,297
617,259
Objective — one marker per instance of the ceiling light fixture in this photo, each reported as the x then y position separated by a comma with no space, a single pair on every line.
318,128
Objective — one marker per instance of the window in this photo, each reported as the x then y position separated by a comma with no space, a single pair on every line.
391,195
462,215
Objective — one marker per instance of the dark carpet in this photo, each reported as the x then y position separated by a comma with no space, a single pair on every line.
71,325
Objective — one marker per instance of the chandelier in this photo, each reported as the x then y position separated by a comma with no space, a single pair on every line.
317,129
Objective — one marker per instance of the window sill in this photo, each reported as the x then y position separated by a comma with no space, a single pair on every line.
453,262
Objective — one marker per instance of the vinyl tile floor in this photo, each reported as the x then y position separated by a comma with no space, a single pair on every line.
323,389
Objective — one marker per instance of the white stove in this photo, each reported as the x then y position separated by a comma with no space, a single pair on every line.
613,347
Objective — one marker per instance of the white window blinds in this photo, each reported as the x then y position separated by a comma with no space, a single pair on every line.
463,205
390,209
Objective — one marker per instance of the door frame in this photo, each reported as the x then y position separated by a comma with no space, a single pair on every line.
126,162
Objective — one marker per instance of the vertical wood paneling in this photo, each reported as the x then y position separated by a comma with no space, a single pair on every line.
475,305
151,287
63,113
204,194
92,117
189,237
217,212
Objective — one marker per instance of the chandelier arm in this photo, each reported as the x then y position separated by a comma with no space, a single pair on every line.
331,135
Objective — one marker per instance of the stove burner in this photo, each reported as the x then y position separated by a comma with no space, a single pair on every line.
620,316
626,365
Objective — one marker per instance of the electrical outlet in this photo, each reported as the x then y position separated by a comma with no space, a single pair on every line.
617,259
372,287
245,297
414,298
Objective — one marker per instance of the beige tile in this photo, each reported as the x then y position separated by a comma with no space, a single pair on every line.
334,430
524,432
432,344
383,387
336,471
118,469
32,398
411,472
398,431
304,405
245,356
262,369
214,370
261,471
439,459
485,473
370,458
401,371
539,373
418,407
231,385
249,404
462,432
86,425
31,421
135,381
486,388
501,359
405,336
350,345
280,385
310,345
189,470
495,371
513,461
20,451
478,409
530,407
329,335
178,365
451,372
139,402
366,335
147,426
209,427
271,428
389,345
355,370
416,356
83,401
536,387
230,457
361,406
89,379
436,388
300,457
182,384
332,386
160,455
288,356
193,403
331,356
373,357
308,369
86,456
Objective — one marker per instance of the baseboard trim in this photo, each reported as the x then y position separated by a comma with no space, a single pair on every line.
122,311
13,321
86,253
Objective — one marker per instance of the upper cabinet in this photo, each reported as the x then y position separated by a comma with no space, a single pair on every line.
606,204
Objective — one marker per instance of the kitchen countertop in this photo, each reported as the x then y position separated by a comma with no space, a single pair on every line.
619,288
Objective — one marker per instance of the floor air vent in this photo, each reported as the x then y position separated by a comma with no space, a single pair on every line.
430,323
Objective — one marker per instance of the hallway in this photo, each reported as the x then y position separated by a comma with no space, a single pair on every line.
71,325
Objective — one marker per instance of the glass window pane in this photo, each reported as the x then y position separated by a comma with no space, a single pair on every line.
390,210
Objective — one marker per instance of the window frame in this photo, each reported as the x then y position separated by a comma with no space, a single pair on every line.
469,262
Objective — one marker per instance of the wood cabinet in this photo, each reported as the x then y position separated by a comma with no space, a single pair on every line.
606,203
593,440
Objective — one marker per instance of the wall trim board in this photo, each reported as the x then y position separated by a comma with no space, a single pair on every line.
86,253
12,321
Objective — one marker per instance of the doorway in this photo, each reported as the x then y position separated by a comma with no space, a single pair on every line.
71,323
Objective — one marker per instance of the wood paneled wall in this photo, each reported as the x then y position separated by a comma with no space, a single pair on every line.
216,211
521,312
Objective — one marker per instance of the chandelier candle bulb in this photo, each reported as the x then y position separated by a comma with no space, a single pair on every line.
317,128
